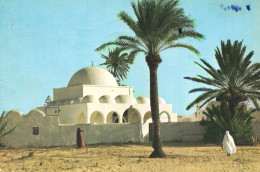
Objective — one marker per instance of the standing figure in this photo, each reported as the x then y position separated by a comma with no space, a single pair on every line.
229,144
79,139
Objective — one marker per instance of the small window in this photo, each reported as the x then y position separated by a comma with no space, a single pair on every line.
35,130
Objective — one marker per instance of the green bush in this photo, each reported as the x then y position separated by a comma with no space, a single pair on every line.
220,120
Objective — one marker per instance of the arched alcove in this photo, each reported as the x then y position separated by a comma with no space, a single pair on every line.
145,128
96,118
112,117
164,117
81,118
147,116
131,115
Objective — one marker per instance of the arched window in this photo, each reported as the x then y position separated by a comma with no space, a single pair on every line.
164,117
131,115
147,116
112,117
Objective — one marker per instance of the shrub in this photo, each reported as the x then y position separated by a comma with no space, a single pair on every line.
220,120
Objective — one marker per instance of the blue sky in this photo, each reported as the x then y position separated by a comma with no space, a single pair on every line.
44,42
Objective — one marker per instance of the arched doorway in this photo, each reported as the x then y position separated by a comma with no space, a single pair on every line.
164,117
112,117
145,128
96,118
131,115
147,116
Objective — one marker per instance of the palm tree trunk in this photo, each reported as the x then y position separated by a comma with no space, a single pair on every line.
232,104
231,108
153,61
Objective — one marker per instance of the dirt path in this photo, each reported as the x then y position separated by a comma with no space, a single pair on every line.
130,157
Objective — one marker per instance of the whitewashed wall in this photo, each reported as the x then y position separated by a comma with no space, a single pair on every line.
52,134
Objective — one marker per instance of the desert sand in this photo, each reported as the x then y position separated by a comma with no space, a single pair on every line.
130,157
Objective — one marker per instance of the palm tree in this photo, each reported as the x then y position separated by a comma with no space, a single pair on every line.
157,27
235,81
219,122
118,63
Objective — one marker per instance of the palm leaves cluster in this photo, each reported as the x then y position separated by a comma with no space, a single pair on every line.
219,122
235,81
118,62
156,28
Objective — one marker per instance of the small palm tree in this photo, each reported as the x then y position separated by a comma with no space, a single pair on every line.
118,63
235,81
157,25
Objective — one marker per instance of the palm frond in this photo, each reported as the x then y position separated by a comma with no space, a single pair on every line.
189,47
235,76
205,98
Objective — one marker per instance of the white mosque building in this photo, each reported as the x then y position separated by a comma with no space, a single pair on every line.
93,101
93,96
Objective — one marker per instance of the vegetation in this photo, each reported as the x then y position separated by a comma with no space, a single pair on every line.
219,121
235,81
118,63
47,100
157,27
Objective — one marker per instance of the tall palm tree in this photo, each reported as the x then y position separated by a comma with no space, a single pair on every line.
118,63
235,81
157,27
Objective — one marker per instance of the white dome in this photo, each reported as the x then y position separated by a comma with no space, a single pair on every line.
161,100
143,100
126,99
14,114
90,99
107,99
92,76
36,112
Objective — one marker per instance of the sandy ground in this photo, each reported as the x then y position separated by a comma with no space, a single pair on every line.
130,157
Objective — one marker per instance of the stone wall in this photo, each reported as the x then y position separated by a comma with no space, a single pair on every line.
191,131
52,134
182,131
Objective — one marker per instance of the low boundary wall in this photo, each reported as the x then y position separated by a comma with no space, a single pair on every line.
180,131
37,130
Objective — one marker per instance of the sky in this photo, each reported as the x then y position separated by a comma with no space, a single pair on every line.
44,42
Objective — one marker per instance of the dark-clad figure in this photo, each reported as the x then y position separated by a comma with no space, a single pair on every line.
79,139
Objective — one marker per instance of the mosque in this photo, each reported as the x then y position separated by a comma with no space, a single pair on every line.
104,111
92,99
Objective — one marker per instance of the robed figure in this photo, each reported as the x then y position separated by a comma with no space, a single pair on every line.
229,144
79,139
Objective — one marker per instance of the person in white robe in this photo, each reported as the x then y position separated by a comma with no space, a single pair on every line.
229,144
